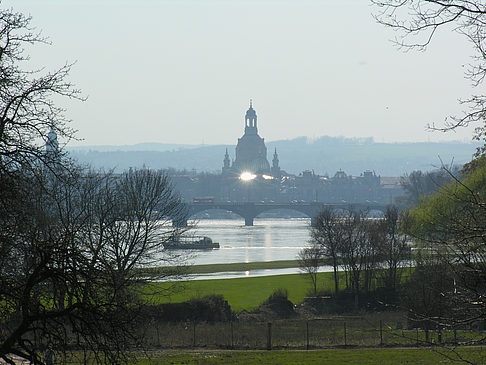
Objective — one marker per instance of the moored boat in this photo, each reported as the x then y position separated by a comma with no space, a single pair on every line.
194,243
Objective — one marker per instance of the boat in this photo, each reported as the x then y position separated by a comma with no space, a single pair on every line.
194,243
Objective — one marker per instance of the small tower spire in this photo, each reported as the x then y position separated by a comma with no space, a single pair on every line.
275,160
251,120
226,162
276,172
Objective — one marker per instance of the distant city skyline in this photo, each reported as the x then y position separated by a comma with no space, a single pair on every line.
183,72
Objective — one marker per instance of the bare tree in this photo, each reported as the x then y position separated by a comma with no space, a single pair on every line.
135,224
366,248
73,242
371,237
350,240
357,251
416,22
393,248
327,234
418,184
72,255
310,259
27,109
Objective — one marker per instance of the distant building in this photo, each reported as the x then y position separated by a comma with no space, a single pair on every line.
52,145
251,152
226,164
276,172
50,163
250,177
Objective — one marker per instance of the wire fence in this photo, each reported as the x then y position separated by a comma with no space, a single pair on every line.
303,334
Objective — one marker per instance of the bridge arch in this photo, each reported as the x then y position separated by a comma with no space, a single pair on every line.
249,210
195,213
285,212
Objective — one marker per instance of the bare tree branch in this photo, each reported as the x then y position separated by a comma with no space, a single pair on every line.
416,23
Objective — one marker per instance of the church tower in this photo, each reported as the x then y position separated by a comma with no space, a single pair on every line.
52,145
276,173
251,120
226,163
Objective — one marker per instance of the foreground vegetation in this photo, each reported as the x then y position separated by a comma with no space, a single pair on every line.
420,356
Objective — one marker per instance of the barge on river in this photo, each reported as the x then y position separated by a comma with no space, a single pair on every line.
192,243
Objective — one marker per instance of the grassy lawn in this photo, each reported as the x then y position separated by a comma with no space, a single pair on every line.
246,293
380,356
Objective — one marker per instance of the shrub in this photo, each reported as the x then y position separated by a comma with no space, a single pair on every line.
211,308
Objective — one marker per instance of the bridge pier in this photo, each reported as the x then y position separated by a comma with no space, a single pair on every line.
248,221
313,221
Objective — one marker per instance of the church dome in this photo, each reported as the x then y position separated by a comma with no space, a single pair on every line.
251,153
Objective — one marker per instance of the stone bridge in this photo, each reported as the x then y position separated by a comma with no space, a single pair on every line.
251,210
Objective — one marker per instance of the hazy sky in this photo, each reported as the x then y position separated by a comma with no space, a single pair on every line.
184,71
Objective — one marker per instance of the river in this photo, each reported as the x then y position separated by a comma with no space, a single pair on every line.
267,240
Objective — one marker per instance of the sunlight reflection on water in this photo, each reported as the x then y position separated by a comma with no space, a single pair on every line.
251,273
267,240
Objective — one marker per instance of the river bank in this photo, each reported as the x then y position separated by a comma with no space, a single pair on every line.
240,269
243,266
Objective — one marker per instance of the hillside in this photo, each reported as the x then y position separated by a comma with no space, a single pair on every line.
324,155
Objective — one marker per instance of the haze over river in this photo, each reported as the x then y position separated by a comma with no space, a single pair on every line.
268,240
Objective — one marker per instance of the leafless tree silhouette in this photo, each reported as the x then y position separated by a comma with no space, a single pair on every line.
73,242
416,22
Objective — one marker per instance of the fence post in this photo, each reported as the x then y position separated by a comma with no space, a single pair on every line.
455,335
232,341
307,335
439,335
345,337
194,334
417,332
381,332
269,336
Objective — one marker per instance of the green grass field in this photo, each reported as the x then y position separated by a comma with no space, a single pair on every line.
248,293
378,356
245,293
